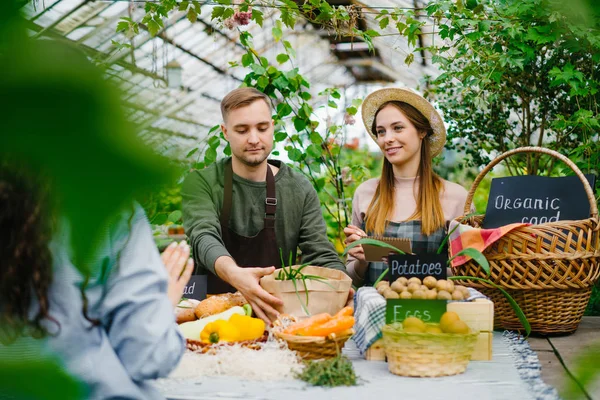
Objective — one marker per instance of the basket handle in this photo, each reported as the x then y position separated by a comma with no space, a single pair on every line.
531,149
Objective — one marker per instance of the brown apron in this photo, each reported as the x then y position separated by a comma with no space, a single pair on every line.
256,251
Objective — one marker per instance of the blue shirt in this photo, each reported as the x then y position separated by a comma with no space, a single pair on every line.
138,338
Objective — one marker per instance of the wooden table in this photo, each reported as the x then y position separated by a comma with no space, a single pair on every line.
557,356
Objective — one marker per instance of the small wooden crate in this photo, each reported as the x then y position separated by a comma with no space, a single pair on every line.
479,315
376,352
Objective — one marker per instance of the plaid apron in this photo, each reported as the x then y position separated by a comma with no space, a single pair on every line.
420,244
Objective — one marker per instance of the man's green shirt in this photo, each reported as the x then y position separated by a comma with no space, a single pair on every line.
299,222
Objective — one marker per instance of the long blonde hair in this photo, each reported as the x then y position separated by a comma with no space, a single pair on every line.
429,208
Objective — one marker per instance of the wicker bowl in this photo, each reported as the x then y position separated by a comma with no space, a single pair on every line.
198,346
315,347
427,354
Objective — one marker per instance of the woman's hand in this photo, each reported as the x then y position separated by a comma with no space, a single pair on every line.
180,267
354,233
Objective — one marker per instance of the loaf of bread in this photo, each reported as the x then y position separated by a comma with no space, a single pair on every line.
184,312
218,303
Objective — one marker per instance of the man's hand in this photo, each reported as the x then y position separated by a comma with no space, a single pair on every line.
350,301
180,268
246,280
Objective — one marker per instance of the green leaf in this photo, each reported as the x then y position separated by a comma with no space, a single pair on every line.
175,216
258,69
217,12
518,311
281,58
227,150
153,27
288,47
283,109
280,136
281,83
299,124
373,242
409,59
262,82
287,18
314,151
210,156
277,33
305,96
183,5
332,104
294,154
192,16
315,138
351,110
192,152
123,26
336,94
384,22
247,59
257,16
372,33
52,381
477,256
214,141
159,219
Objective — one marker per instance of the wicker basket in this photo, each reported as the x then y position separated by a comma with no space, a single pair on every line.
427,354
549,269
315,347
198,346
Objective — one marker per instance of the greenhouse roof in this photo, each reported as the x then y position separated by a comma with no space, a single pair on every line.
177,119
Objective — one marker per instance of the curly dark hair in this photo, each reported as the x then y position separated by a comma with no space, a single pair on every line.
26,228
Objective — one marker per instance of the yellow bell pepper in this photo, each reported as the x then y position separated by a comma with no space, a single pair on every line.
249,328
220,331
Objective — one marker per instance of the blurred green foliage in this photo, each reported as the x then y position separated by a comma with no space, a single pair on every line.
60,117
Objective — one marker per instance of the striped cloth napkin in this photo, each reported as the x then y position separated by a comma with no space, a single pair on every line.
369,315
466,236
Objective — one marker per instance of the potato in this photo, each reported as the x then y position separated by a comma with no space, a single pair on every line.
430,282
418,294
184,312
397,287
444,295
414,279
382,283
390,294
405,295
402,280
457,295
412,287
431,294
442,284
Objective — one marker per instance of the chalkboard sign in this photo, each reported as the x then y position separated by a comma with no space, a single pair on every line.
536,200
397,310
417,265
196,288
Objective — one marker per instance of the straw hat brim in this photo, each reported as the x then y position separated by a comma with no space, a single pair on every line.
379,97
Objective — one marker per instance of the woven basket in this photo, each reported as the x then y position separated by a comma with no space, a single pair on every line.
427,354
549,269
198,346
315,347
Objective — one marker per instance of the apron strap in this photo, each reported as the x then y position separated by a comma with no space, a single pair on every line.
227,194
270,201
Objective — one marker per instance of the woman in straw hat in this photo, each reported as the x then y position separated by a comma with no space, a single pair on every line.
409,200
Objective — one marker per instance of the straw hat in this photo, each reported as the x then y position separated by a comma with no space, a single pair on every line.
377,98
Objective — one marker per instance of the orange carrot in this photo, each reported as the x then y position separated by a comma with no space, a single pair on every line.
334,325
346,311
314,320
